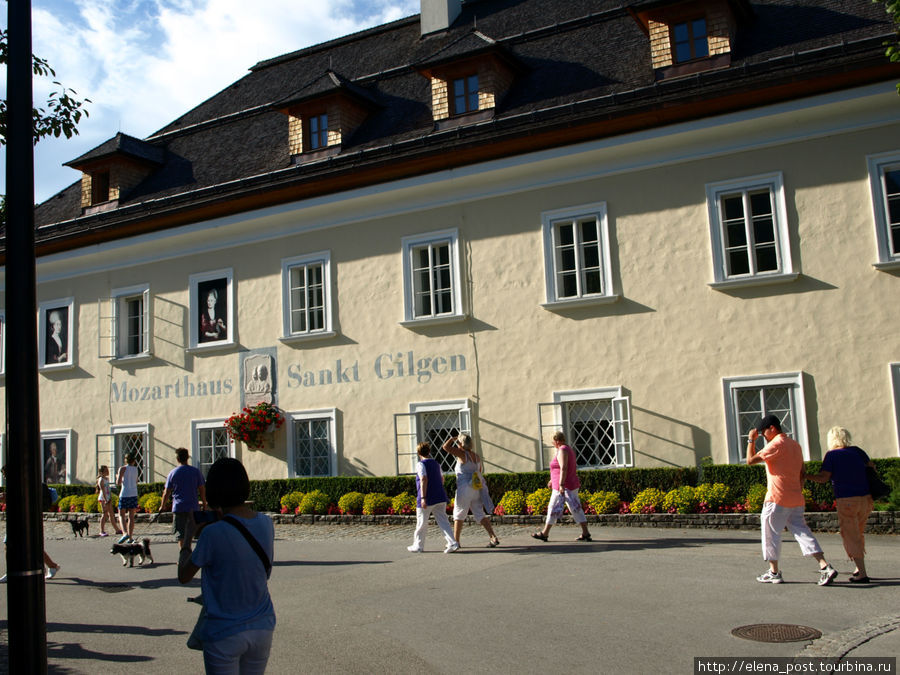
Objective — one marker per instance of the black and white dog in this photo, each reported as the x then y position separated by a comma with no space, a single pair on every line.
129,551
79,527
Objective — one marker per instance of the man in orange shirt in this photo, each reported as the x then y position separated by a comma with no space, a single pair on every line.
784,504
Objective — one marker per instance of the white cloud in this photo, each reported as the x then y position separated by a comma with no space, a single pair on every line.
145,62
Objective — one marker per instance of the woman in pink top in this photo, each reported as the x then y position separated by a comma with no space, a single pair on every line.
564,483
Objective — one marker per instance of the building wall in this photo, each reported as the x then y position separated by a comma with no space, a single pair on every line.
668,342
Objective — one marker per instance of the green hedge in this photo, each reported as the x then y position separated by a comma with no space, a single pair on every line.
266,494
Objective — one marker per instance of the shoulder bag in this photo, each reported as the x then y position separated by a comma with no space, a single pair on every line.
877,487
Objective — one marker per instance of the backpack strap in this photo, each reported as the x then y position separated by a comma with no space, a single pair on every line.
252,541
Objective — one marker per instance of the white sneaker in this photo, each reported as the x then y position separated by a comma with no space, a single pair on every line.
413,549
3,579
827,575
51,572
451,547
770,577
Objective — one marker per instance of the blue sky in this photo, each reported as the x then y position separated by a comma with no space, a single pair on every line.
145,62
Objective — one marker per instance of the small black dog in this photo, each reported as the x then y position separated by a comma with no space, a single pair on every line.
129,551
79,527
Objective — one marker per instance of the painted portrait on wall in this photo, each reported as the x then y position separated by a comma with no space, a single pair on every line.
211,310
55,333
55,451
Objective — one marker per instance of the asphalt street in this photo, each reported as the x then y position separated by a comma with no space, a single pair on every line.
351,599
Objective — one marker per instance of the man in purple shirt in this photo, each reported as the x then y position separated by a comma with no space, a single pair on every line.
183,484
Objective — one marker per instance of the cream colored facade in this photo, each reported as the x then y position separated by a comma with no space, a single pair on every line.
668,341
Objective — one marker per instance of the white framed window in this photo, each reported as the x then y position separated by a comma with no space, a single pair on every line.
124,331
212,310
210,442
313,448
306,297
56,456
318,131
577,267
431,277
749,232
748,399
122,439
434,422
596,423
56,334
884,183
895,387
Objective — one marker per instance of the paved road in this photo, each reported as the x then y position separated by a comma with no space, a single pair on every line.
351,599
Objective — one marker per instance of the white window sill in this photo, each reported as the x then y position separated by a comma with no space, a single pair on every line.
211,347
887,266
749,282
307,337
570,303
131,358
56,366
434,320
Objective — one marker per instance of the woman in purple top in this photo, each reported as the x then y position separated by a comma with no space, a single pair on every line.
431,498
845,466
564,483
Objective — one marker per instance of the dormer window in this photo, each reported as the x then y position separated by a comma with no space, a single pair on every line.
318,131
691,36
465,94
99,187
689,40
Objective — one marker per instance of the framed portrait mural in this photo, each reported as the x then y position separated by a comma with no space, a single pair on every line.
56,330
212,309
56,456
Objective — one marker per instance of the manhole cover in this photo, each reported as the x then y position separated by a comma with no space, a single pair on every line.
776,632
115,588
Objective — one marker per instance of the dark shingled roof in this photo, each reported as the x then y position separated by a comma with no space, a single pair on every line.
585,65
123,145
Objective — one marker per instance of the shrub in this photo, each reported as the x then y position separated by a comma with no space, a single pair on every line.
756,495
681,500
352,502
713,495
604,502
65,503
145,498
649,500
511,504
90,503
152,503
291,502
376,503
404,504
536,503
314,502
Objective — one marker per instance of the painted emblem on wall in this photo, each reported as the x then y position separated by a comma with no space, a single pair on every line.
258,379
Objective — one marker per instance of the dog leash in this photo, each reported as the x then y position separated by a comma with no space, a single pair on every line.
252,541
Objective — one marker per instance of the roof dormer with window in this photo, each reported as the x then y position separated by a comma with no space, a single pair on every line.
323,115
113,168
688,37
468,78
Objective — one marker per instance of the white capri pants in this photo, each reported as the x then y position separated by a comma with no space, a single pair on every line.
570,498
774,519
440,517
467,498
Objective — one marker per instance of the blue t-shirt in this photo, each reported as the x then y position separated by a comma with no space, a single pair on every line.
848,471
234,581
184,481
436,493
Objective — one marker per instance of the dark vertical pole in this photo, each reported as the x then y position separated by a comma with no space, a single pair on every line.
24,524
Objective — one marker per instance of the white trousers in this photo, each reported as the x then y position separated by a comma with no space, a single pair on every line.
555,507
774,519
440,517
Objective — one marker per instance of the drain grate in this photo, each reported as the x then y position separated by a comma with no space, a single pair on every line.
115,588
776,632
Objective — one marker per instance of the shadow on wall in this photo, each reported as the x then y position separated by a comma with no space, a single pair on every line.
497,444
685,442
